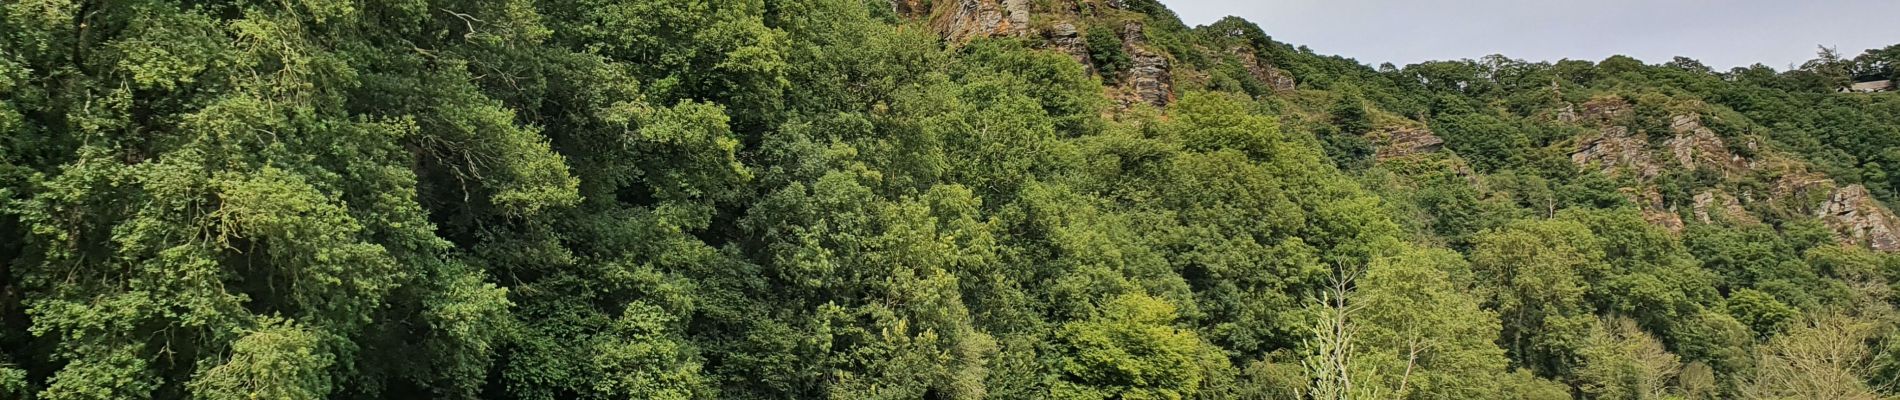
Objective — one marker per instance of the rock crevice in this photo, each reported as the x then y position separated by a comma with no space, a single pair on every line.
1149,77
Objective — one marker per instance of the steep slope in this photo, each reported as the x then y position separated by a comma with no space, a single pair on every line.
913,199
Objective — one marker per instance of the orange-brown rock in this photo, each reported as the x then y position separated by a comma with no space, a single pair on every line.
1666,219
970,19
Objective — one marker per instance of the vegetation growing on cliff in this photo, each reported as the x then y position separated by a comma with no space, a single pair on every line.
666,199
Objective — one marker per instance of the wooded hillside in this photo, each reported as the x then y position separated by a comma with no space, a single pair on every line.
914,199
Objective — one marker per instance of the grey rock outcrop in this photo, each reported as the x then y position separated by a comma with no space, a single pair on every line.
1857,218
1149,78
1065,38
1616,148
1275,78
1698,146
1603,110
1711,205
1405,141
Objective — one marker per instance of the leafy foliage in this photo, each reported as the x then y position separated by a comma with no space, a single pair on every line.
595,199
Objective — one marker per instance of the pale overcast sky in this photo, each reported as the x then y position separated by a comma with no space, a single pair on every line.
1722,34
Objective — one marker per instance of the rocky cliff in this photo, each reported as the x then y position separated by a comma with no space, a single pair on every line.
1148,77
965,20
1859,219
1648,151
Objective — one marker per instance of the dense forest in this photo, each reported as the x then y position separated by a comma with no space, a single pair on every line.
914,199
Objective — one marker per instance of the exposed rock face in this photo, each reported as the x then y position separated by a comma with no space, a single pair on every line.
1569,114
1064,37
1405,141
1666,219
970,19
1796,183
1279,80
1869,87
1617,148
1696,145
1018,14
1655,213
1603,110
910,8
1149,79
1857,218
1710,205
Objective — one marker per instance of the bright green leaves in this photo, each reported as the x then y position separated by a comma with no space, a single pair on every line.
1536,274
641,358
463,311
698,49
1005,139
165,48
1210,121
595,199
480,141
1761,311
687,153
1621,361
1130,351
317,261
1444,350
101,372
240,215
883,275
1489,142
278,360
1106,53
39,28
278,57
13,381
1235,235
322,11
